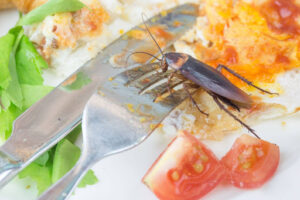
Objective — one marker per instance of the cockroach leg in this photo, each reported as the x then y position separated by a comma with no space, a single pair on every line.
219,68
166,89
222,107
229,103
169,82
193,100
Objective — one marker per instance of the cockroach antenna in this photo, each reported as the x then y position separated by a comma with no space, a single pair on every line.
143,52
147,28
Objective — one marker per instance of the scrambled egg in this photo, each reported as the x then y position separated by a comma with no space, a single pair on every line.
252,38
68,40
258,39
244,36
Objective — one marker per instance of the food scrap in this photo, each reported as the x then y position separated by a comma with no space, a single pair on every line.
130,107
155,126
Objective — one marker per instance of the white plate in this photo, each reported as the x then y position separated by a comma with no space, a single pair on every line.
120,175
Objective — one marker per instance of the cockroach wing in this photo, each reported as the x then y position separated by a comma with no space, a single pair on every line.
212,80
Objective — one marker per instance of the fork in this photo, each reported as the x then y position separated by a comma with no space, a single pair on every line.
120,116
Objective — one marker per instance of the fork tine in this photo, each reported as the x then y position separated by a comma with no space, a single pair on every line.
140,72
153,81
148,80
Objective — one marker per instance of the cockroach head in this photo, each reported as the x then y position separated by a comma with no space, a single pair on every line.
175,60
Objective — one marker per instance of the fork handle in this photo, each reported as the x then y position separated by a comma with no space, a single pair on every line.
65,186
9,168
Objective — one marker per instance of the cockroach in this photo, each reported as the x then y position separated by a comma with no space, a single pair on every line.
208,78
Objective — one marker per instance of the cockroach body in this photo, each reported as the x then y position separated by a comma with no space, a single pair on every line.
208,78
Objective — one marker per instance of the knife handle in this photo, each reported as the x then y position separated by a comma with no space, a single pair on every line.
9,168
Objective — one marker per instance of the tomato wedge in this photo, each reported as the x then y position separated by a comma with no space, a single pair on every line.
186,170
251,162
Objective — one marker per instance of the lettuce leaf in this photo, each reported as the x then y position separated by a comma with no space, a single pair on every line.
50,8
6,44
7,118
24,81
13,89
39,174
33,93
89,179
72,137
43,159
54,164
29,63
4,101
66,156
21,85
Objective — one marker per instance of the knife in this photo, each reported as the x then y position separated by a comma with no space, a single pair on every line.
58,113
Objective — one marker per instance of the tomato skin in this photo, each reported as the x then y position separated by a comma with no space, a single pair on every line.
251,162
186,170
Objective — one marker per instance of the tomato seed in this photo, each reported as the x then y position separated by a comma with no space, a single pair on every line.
204,158
246,165
175,176
198,167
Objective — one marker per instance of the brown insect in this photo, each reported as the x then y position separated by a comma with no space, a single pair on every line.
209,79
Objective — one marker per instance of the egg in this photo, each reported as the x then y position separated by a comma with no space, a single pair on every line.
239,34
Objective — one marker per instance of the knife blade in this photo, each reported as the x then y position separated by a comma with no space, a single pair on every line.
53,117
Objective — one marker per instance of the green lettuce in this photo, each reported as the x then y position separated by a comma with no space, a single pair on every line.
29,63
39,174
55,163
19,92
6,44
66,156
21,85
50,8
43,159
13,89
7,118
33,93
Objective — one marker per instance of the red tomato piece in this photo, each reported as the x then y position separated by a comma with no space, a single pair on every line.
251,162
186,170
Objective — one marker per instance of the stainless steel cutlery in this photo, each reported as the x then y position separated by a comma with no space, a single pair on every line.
113,118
